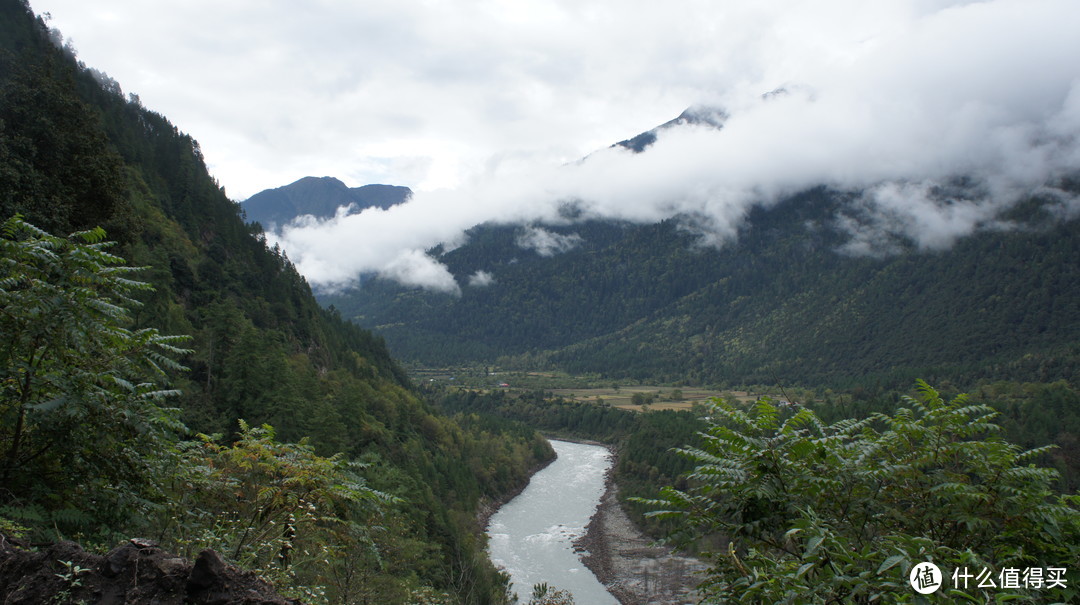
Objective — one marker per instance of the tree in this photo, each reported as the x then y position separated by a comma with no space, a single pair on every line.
82,420
58,168
809,513
277,508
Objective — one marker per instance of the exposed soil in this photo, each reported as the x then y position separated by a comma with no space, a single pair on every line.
629,564
135,572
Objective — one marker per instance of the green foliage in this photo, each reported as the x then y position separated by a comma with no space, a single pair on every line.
81,414
88,450
76,154
1033,414
543,594
71,580
650,302
812,513
277,508
57,167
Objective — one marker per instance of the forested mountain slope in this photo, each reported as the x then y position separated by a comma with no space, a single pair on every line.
75,154
784,301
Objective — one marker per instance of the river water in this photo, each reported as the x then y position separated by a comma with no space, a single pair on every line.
531,536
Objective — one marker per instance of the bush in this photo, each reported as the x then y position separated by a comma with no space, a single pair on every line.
82,417
810,513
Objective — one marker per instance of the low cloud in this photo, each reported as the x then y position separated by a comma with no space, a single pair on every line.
982,94
481,279
888,216
414,268
546,243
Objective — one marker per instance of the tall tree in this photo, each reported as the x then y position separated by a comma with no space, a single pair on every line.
82,415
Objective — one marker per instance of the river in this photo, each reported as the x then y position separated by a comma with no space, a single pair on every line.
531,537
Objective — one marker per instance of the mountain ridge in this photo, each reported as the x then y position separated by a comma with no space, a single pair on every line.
320,197
781,302
810,289
698,115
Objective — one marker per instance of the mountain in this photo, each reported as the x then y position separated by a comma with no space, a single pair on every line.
700,115
786,301
279,402
319,197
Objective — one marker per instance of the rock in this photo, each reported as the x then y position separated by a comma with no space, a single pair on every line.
209,568
137,571
171,566
116,562
626,561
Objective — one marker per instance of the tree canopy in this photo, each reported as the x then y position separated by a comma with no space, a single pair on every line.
798,511
82,413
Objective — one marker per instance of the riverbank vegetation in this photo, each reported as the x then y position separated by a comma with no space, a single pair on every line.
798,510
1031,415
643,442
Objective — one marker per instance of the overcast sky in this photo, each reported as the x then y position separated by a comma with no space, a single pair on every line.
479,105
419,93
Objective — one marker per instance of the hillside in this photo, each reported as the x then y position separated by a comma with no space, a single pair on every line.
783,302
810,291
102,447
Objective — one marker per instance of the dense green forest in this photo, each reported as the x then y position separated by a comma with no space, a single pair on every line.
781,302
264,409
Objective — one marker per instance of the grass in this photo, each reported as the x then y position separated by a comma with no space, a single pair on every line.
662,398
587,389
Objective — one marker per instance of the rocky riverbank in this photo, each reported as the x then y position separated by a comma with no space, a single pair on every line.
628,562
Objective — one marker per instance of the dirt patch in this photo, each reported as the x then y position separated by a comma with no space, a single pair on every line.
629,564
135,572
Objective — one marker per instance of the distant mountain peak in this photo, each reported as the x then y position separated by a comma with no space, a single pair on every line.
320,197
702,115
706,115
310,180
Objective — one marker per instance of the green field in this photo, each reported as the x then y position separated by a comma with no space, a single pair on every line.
587,389
655,397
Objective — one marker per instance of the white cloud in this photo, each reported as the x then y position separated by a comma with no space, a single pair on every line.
895,97
546,243
415,268
481,279
916,212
